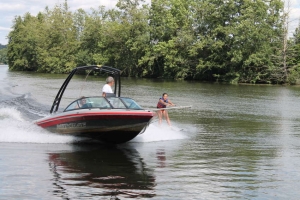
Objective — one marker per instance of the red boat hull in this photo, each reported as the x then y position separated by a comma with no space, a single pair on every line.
112,126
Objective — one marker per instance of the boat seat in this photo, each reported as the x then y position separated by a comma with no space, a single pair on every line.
110,95
87,105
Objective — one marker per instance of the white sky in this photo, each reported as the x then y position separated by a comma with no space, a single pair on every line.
11,8
294,15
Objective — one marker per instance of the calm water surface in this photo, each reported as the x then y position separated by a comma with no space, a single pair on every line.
237,142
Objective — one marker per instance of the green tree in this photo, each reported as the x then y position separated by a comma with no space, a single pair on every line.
23,43
294,57
124,37
3,56
236,38
171,37
45,43
61,46
91,36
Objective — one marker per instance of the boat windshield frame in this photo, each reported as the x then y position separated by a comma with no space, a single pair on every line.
100,102
106,69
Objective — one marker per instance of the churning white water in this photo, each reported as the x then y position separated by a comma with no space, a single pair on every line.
14,128
161,132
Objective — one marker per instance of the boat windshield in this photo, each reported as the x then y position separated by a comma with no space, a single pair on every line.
103,103
130,103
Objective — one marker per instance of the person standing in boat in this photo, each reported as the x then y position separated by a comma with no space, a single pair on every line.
107,87
163,102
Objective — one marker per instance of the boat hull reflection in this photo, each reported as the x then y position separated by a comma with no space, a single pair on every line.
107,171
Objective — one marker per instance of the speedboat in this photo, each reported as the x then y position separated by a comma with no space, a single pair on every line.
110,119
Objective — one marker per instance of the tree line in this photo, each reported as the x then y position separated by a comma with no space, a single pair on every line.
2,46
237,41
3,53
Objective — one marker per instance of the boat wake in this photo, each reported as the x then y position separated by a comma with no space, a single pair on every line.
15,129
155,133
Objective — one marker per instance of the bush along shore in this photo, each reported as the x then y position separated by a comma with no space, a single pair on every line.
231,41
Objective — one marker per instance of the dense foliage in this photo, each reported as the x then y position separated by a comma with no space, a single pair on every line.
294,58
3,53
2,46
232,40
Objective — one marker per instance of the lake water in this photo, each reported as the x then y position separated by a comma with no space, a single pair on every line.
237,142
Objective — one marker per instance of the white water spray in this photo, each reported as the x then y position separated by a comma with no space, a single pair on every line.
161,132
14,129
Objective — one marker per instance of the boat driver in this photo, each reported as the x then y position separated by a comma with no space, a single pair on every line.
107,87
82,102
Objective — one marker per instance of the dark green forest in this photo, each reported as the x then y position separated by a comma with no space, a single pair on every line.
3,53
236,41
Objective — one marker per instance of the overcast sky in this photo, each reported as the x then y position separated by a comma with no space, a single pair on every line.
11,8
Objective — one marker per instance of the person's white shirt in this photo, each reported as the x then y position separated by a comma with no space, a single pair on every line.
107,89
